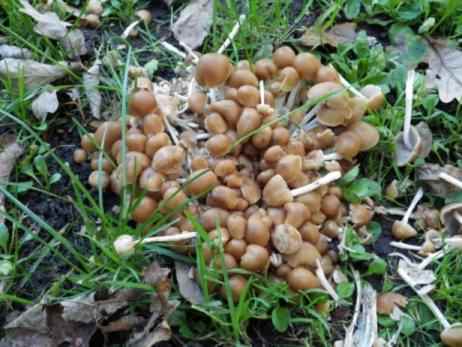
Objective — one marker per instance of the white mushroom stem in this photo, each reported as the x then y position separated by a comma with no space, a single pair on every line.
417,197
293,96
202,136
391,211
430,258
409,94
330,177
426,300
129,29
195,58
403,245
308,123
324,282
331,156
262,92
451,243
450,179
173,49
168,238
348,342
232,34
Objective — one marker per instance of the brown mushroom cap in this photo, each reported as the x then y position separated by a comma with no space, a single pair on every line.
361,214
197,102
332,117
218,145
168,159
237,225
307,66
141,103
402,231
250,120
283,56
348,144
110,132
255,258
296,214
452,336
99,179
79,155
215,124
213,217
449,218
289,78
403,154
286,239
368,135
241,77
276,192
236,248
374,95
153,124
201,181
154,143
310,232
88,142
237,283
326,73
338,98
174,198
301,278
306,255
265,69
248,96
257,231
228,109
144,210
224,197
213,69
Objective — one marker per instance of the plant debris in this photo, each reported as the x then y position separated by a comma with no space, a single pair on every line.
91,80
339,34
9,51
47,102
188,287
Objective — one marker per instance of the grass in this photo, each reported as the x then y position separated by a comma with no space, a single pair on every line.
86,258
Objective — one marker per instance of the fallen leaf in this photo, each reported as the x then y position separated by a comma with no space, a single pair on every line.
8,51
34,73
417,276
194,23
74,44
387,302
428,174
189,289
47,102
91,81
339,34
48,23
9,154
444,70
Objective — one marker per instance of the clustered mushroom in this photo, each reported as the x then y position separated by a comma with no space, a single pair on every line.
265,194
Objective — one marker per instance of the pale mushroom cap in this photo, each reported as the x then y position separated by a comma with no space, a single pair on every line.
368,134
403,154
286,239
307,65
213,69
374,95
452,336
331,117
426,138
306,255
124,245
402,231
447,217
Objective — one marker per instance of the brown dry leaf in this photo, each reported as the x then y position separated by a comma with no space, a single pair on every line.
91,81
444,70
194,23
10,152
189,289
387,302
338,34
47,102
34,73
8,51
48,23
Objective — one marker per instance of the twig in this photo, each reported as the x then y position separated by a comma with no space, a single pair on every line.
232,34
408,107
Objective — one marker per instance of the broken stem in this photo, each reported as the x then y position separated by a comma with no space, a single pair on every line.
195,58
409,93
324,282
129,29
330,177
262,92
173,49
417,197
232,34
402,245
169,238
450,179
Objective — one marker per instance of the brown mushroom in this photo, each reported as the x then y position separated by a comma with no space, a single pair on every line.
213,217
306,255
283,56
242,77
301,278
374,95
401,229
99,179
144,209
348,144
286,239
213,69
197,102
249,121
237,225
153,124
168,159
201,181
142,102
215,124
219,145
107,133
255,258
150,180
367,134
296,214
237,283
228,109
224,197
79,155
236,248
387,302
265,69
257,231
307,66
156,142
452,336
361,214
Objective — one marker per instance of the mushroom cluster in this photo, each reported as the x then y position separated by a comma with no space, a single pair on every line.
261,184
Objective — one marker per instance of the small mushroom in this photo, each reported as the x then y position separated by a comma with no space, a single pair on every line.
197,102
361,214
79,155
144,209
374,95
168,159
401,229
451,217
213,69
237,283
276,192
367,134
228,109
255,258
142,102
283,56
306,255
301,278
257,232
99,179
307,66
452,336
201,181
144,15
348,144
286,239
265,69
440,181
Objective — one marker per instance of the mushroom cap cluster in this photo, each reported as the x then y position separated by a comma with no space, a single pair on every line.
243,182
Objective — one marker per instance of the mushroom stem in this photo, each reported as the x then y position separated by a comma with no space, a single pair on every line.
417,197
195,58
129,29
169,238
262,92
450,179
430,258
202,136
293,96
232,34
308,123
426,300
402,245
173,49
391,211
349,86
331,156
324,282
330,177
408,107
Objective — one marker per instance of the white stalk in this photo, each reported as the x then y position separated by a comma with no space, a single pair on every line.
402,245
195,58
262,92
324,282
129,29
450,179
169,238
331,156
417,197
308,123
232,34
330,177
293,96
173,49
426,300
409,93
350,87
202,136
